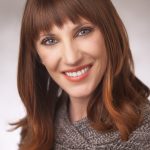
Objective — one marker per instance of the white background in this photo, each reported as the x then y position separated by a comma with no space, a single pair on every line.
135,15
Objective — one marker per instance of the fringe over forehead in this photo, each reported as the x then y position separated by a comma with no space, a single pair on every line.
41,15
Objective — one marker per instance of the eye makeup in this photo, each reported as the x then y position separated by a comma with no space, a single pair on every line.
48,40
79,31
83,31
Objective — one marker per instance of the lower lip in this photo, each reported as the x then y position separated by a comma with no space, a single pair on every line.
78,78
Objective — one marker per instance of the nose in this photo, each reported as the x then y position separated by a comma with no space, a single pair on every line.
72,54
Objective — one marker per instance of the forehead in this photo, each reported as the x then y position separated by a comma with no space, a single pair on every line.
48,13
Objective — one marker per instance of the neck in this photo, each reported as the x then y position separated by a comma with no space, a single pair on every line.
77,109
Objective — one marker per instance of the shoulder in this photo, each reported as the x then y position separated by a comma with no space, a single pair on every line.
145,123
141,136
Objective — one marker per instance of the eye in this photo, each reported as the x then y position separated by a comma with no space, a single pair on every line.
84,31
49,41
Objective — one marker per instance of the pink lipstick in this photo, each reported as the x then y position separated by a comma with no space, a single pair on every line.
77,74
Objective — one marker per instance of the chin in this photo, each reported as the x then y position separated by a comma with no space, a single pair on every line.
80,95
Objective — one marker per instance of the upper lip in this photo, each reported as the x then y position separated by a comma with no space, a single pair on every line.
77,68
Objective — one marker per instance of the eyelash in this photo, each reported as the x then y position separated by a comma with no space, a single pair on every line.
50,41
86,31
46,41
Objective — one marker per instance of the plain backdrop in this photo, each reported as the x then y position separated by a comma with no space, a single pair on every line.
136,17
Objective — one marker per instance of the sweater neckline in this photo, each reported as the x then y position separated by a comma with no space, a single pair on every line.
71,135
80,135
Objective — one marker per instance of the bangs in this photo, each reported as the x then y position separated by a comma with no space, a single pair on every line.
47,13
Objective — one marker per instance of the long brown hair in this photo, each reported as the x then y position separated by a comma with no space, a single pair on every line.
117,99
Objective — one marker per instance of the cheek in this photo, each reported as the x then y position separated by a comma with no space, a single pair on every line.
97,50
99,46
94,45
50,60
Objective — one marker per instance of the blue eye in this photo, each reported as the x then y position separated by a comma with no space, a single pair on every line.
49,41
84,31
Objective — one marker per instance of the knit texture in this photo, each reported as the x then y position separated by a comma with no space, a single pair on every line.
80,136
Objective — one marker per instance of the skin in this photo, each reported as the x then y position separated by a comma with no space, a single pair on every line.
68,47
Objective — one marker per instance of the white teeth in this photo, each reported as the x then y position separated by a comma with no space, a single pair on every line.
74,74
78,73
82,71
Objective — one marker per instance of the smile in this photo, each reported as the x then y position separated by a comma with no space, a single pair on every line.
77,74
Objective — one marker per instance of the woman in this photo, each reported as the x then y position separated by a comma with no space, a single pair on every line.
76,79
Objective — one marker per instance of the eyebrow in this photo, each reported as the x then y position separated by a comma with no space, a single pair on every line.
77,27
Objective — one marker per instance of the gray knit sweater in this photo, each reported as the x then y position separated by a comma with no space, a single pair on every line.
80,136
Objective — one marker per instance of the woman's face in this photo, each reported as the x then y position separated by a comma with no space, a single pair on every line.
75,57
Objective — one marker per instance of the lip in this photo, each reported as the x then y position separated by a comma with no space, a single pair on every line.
77,68
78,78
